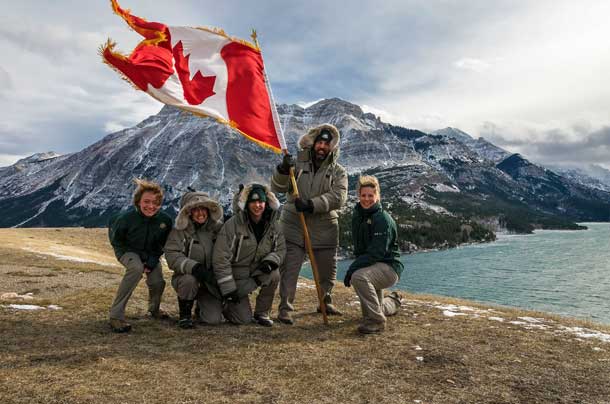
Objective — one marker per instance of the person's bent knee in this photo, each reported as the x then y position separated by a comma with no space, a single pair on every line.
359,277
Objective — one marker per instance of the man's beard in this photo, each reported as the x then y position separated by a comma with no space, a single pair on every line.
320,157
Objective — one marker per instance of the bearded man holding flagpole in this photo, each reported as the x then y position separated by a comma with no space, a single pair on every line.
322,183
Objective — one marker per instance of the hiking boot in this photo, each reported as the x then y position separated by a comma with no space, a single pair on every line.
119,326
284,317
186,319
397,297
186,323
158,315
369,327
331,310
262,319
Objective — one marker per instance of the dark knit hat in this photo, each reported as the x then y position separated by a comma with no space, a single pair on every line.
257,193
324,135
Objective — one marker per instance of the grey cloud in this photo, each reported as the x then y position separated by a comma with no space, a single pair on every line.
6,82
571,146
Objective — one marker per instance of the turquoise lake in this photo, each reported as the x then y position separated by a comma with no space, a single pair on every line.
563,272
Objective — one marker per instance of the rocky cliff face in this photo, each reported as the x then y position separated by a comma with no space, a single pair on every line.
180,150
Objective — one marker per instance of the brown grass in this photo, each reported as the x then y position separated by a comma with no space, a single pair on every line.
70,356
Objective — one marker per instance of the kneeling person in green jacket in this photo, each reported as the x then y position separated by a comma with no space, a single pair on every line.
377,265
137,237
248,252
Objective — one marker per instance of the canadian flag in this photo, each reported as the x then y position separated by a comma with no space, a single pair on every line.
202,71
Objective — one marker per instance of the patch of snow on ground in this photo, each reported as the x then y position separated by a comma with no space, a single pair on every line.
305,285
24,307
529,326
585,333
31,307
500,319
449,313
13,295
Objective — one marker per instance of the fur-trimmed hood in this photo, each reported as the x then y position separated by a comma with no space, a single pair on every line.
242,198
307,140
192,200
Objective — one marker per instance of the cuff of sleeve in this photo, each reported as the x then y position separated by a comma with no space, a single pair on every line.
320,204
186,267
227,285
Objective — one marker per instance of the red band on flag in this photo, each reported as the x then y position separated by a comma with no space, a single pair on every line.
247,97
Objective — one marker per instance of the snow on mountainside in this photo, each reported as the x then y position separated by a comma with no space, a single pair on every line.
591,176
480,146
180,150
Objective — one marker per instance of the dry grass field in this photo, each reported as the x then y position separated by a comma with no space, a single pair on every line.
435,350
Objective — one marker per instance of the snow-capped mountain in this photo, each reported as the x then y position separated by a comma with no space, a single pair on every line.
592,176
480,146
180,150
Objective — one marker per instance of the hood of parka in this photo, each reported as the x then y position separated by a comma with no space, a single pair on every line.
192,200
307,141
242,198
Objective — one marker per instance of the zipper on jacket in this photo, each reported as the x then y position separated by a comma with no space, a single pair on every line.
241,239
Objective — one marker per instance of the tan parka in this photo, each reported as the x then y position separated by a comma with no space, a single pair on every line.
188,244
236,252
327,189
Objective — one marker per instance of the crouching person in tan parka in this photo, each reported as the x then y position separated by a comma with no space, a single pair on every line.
188,252
248,252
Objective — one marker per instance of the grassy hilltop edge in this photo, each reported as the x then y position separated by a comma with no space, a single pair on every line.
436,350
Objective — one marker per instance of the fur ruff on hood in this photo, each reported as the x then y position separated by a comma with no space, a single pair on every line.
192,200
272,200
307,140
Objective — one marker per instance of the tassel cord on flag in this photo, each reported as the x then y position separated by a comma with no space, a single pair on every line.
295,192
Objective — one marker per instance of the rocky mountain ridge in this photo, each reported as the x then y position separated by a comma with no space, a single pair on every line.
442,170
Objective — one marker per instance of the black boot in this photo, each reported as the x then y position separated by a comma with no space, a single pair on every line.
185,320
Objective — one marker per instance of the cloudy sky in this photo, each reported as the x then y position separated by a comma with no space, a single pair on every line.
531,76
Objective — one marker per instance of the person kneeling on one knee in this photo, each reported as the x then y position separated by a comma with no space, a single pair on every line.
248,252
377,265
188,252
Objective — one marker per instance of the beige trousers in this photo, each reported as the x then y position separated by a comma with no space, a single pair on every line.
369,283
134,270
289,273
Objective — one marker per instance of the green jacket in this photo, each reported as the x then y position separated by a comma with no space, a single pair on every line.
133,232
327,189
375,238
237,254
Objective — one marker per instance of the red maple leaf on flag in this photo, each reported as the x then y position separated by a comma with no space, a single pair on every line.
197,89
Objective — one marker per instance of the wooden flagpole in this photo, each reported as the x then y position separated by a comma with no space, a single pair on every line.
295,193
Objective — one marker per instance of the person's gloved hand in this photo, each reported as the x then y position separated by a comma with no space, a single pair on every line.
198,271
303,206
347,281
287,162
232,297
266,267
